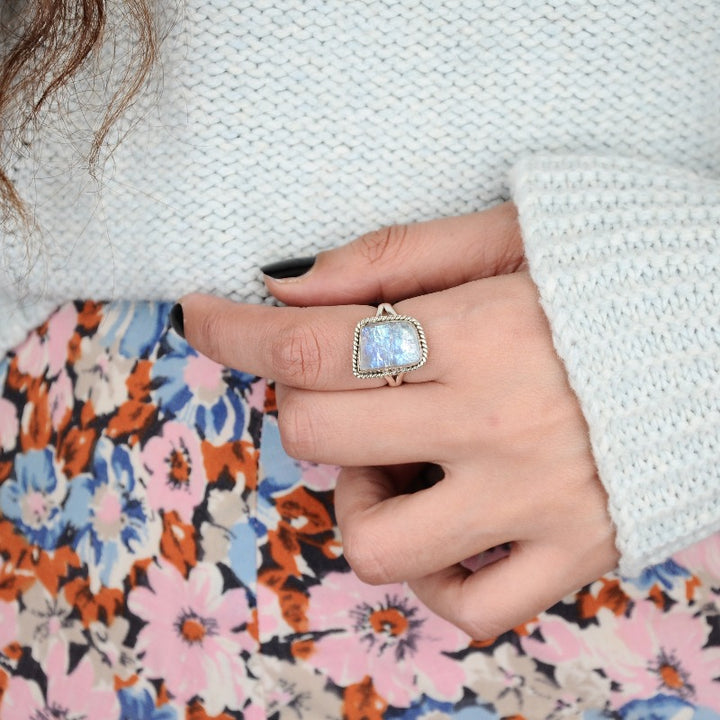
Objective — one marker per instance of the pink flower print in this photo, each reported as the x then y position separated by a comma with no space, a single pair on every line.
256,395
663,653
386,633
45,349
9,425
703,556
177,471
561,642
318,477
254,712
60,396
195,634
204,377
270,621
69,695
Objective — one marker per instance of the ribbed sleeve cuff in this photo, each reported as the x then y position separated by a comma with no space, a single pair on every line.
626,256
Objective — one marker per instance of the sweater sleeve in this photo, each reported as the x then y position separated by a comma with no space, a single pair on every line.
626,256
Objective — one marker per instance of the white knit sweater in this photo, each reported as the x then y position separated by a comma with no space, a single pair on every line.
287,126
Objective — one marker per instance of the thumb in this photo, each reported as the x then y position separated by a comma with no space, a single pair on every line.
403,261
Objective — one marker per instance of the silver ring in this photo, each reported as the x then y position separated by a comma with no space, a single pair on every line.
388,345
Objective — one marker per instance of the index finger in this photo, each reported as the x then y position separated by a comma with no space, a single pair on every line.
310,348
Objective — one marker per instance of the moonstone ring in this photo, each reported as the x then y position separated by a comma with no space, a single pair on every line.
388,345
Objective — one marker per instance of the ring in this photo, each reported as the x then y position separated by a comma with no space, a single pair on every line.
388,345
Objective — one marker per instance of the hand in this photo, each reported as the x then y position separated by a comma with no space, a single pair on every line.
492,407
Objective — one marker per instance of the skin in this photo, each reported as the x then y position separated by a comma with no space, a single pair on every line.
492,407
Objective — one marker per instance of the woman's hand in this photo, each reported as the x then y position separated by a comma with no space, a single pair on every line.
492,407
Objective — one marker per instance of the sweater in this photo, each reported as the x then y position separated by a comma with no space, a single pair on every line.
275,128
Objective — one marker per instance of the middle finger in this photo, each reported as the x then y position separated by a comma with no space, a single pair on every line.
383,426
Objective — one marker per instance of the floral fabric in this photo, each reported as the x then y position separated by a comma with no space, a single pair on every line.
162,558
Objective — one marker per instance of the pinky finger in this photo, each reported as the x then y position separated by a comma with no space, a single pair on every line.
498,597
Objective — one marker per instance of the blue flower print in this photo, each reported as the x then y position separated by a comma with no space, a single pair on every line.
33,498
429,708
278,473
135,327
4,365
665,574
660,707
198,391
139,704
242,553
474,713
108,509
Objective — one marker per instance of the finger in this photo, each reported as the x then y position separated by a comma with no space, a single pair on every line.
392,538
500,596
299,347
407,260
381,426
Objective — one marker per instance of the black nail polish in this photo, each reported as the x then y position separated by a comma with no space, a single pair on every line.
292,268
177,320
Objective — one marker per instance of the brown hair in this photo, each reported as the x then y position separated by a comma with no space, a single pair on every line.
43,44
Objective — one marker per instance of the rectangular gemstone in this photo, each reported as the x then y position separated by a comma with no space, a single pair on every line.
389,344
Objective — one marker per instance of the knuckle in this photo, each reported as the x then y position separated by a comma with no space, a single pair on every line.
510,239
365,556
384,244
298,428
296,354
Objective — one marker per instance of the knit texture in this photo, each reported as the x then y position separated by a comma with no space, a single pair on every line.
277,128
626,256
280,127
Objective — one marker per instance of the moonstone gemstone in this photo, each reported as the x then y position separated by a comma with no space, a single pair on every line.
385,345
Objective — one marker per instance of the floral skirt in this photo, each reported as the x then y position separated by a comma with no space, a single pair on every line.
162,558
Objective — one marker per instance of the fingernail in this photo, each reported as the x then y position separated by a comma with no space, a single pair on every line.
177,320
292,268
